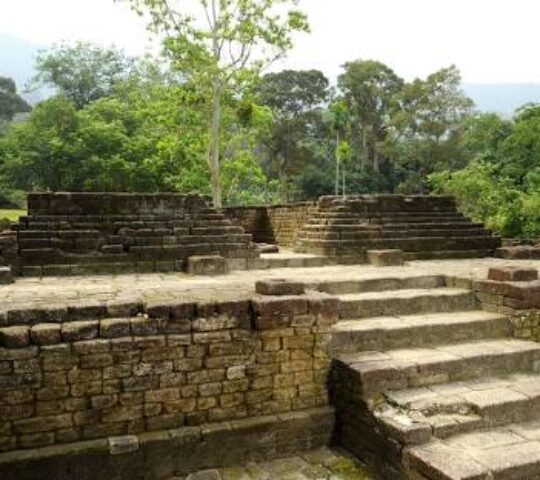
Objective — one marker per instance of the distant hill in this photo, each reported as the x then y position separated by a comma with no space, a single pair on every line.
503,98
17,57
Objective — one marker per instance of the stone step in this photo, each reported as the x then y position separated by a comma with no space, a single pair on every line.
379,221
461,407
418,244
391,332
405,302
357,226
344,213
504,453
396,234
379,284
448,254
375,372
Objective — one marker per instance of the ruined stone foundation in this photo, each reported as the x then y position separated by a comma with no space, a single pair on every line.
81,233
424,227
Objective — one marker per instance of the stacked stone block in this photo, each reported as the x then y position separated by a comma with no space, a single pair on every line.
78,233
422,226
513,291
272,223
81,374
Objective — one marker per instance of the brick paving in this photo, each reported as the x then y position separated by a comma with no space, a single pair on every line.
321,464
47,291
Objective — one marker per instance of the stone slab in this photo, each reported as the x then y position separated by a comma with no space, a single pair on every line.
385,258
512,274
207,265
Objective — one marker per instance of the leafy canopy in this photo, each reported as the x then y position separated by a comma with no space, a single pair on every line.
83,72
11,102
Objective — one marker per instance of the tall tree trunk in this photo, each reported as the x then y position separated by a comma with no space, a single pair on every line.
213,150
344,193
338,140
376,165
283,178
365,146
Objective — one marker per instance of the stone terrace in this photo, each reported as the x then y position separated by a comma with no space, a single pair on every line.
213,374
34,292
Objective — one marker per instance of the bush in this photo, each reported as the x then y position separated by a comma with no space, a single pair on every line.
486,197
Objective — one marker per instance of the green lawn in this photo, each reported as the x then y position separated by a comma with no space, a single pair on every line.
11,215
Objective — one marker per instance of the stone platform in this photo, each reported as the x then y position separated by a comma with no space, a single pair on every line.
320,464
86,233
424,227
149,375
33,292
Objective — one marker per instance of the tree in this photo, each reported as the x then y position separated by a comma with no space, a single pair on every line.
10,102
341,127
369,89
218,45
520,150
83,72
43,152
295,99
426,128
482,135
500,185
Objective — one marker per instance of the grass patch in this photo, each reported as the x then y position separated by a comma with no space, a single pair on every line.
11,215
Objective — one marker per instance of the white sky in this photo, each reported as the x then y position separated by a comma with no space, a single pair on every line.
491,41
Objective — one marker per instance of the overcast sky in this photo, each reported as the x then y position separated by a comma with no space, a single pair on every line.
491,41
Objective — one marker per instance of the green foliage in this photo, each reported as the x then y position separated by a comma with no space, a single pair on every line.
83,72
221,46
482,196
128,141
121,124
426,128
501,186
10,102
369,89
11,215
295,99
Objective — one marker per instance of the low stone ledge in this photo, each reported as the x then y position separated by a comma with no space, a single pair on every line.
164,453
524,252
279,287
207,265
386,258
6,275
512,274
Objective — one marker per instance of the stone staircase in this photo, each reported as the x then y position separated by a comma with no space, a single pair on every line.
85,233
427,386
423,227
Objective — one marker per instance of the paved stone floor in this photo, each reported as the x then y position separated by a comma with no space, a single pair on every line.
35,292
321,464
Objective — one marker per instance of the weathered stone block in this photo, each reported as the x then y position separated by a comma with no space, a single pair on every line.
14,337
385,258
75,331
144,326
285,306
512,274
207,265
279,287
6,275
114,327
46,334
122,445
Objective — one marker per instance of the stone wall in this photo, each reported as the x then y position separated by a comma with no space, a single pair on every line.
78,233
275,224
85,373
514,292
